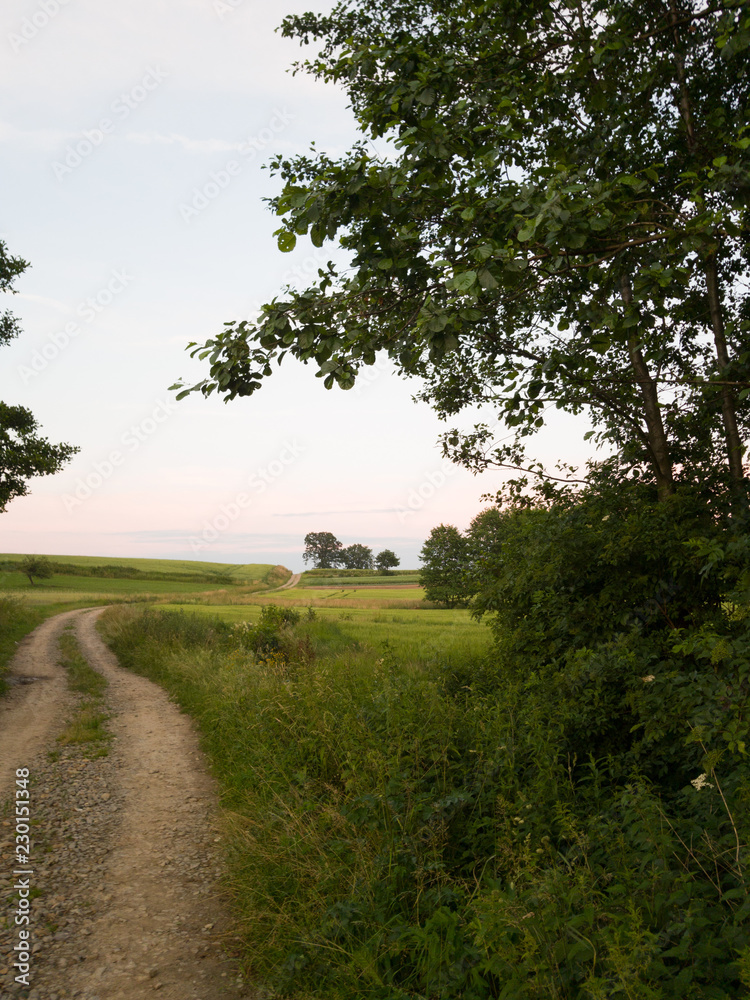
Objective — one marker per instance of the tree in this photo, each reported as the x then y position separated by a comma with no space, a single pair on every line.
23,453
561,221
356,557
444,573
323,548
386,561
36,566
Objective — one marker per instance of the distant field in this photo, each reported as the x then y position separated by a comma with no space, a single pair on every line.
160,579
418,635
248,572
338,597
335,580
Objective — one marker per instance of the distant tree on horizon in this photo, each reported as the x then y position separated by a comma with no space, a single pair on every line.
386,560
35,566
323,548
356,556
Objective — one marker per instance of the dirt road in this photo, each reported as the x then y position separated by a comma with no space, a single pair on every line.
127,848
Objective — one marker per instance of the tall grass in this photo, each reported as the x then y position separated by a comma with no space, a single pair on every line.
17,619
404,826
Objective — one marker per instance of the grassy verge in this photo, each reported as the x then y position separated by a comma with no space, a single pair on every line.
17,618
405,822
89,722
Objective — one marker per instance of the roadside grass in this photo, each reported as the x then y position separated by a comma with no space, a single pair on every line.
16,620
330,753
405,820
89,722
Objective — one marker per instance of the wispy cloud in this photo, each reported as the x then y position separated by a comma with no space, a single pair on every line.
191,145
324,513
39,138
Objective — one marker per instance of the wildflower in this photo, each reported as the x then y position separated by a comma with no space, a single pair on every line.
648,678
701,782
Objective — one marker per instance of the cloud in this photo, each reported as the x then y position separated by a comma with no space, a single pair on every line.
39,138
191,145
325,513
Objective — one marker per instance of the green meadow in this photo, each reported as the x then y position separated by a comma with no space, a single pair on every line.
417,635
77,579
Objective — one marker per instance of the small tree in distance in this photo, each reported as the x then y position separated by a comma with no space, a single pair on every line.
386,560
36,566
323,548
356,556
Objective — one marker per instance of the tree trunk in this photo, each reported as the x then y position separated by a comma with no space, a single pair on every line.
728,411
658,446
734,442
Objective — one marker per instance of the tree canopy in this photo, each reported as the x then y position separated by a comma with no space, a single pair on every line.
323,549
386,560
23,453
558,219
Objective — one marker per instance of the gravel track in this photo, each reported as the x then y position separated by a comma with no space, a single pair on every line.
126,847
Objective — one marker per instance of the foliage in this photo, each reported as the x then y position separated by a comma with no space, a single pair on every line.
36,566
23,454
323,548
356,556
386,561
266,637
444,559
16,621
559,220
398,832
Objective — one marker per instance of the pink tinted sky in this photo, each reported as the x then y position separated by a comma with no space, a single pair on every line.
133,138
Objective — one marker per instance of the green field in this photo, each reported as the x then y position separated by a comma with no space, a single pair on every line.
359,578
115,579
415,635
320,597
245,573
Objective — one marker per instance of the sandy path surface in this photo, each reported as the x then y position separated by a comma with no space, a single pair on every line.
128,848
293,580
36,701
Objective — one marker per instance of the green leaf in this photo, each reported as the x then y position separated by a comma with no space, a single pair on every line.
287,241
462,282
487,279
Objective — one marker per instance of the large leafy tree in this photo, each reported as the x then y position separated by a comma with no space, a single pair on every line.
356,556
23,453
560,219
323,549
444,557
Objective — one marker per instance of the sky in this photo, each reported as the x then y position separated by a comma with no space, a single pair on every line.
133,141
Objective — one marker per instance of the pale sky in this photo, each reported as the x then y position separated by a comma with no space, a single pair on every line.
133,136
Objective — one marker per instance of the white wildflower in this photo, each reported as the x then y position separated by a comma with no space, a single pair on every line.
701,782
648,678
